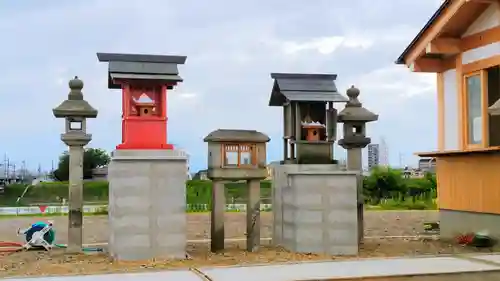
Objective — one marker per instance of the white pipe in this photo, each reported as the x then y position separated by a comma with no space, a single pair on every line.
207,240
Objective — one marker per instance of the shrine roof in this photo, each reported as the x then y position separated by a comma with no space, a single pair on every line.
108,57
145,68
304,87
228,135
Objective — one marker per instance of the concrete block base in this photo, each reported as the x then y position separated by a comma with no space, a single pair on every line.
453,223
147,204
315,209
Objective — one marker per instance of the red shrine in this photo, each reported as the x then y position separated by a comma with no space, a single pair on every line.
144,119
144,81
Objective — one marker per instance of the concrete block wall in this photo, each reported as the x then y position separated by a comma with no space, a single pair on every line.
280,181
453,223
147,203
315,209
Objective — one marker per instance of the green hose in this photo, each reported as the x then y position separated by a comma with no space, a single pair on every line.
51,235
85,249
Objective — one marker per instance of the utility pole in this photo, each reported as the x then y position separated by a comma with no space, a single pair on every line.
23,172
14,172
6,167
8,177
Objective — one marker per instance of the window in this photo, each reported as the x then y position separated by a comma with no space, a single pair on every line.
238,155
475,109
231,155
493,95
245,155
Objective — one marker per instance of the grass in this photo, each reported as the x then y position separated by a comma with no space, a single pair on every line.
398,205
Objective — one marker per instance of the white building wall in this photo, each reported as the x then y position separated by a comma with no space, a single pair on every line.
481,53
450,110
488,19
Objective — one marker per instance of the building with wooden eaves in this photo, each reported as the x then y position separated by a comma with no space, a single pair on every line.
461,44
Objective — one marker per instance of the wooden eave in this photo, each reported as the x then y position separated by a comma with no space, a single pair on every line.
439,42
438,154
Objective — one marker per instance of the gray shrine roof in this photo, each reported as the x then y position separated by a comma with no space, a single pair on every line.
226,135
304,87
141,67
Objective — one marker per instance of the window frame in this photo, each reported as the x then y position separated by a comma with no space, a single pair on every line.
483,76
242,147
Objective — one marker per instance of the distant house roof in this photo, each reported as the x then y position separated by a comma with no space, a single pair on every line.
304,87
3,174
225,135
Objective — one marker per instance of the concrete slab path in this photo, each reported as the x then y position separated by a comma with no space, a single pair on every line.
489,258
309,271
348,269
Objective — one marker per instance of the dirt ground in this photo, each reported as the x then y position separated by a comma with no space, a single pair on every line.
377,223
57,262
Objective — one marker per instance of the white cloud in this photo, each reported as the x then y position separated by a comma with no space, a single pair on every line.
231,51
391,90
326,45
188,95
397,81
389,35
354,39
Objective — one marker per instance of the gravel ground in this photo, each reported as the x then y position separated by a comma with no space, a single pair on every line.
56,262
377,223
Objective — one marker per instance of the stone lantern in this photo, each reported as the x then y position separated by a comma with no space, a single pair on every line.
355,116
236,155
75,110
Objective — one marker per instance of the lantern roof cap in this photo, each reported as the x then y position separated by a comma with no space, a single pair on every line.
354,110
75,105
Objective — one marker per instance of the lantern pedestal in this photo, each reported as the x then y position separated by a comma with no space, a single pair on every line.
147,204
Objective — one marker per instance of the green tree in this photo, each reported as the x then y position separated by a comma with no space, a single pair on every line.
92,158
382,182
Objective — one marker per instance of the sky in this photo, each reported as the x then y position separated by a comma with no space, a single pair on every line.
231,48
